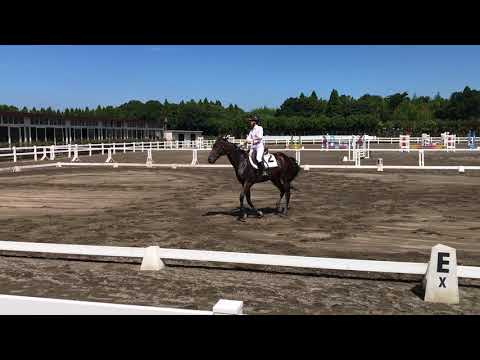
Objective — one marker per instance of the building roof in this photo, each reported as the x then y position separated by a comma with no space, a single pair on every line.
63,117
182,131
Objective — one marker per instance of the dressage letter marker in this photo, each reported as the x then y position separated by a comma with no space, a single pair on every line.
441,281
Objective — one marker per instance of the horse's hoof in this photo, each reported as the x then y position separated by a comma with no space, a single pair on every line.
259,214
282,212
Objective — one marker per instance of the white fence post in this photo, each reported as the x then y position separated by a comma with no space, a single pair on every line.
69,151
297,156
194,157
124,148
35,153
421,157
44,153
75,154
109,157
113,148
356,155
52,152
142,146
89,149
149,158
158,145
14,149
103,149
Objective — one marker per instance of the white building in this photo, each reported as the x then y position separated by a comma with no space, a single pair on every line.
27,128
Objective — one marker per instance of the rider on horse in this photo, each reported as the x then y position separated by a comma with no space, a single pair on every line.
255,139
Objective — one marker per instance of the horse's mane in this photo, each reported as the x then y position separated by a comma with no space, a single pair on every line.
236,147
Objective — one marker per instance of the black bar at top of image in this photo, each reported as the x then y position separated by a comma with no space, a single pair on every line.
383,24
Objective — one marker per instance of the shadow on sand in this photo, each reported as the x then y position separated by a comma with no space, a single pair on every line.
419,291
236,212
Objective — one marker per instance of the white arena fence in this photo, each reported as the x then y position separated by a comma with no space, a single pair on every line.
26,305
354,154
234,258
49,152
154,254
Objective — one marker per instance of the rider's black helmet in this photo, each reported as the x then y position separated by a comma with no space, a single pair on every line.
254,118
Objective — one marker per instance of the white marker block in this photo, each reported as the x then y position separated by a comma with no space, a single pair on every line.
345,159
228,307
115,165
16,169
151,259
306,168
461,169
59,164
380,165
174,166
441,280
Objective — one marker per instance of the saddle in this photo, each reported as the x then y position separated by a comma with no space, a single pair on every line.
268,159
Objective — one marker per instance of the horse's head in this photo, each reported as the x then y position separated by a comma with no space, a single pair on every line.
219,148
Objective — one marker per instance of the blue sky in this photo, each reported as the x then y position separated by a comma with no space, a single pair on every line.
250,76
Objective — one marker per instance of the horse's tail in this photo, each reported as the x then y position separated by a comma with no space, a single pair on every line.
295,169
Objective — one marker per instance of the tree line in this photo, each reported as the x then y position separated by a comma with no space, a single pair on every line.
340,114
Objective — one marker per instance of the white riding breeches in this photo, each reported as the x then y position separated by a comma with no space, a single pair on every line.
260,150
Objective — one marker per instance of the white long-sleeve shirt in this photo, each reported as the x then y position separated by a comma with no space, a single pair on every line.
256,136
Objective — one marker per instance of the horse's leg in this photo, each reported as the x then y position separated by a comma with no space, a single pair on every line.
247,194
243,214
286,187
279,186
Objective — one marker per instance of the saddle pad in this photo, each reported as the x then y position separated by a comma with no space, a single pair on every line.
268,159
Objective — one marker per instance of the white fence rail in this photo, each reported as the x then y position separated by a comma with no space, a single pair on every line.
51,151
235,258
25,305
355,153
431,272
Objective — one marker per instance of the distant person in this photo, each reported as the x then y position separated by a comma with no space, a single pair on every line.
255,139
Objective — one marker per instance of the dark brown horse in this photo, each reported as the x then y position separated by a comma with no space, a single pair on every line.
281,176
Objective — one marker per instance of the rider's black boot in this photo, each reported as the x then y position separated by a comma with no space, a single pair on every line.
261,168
